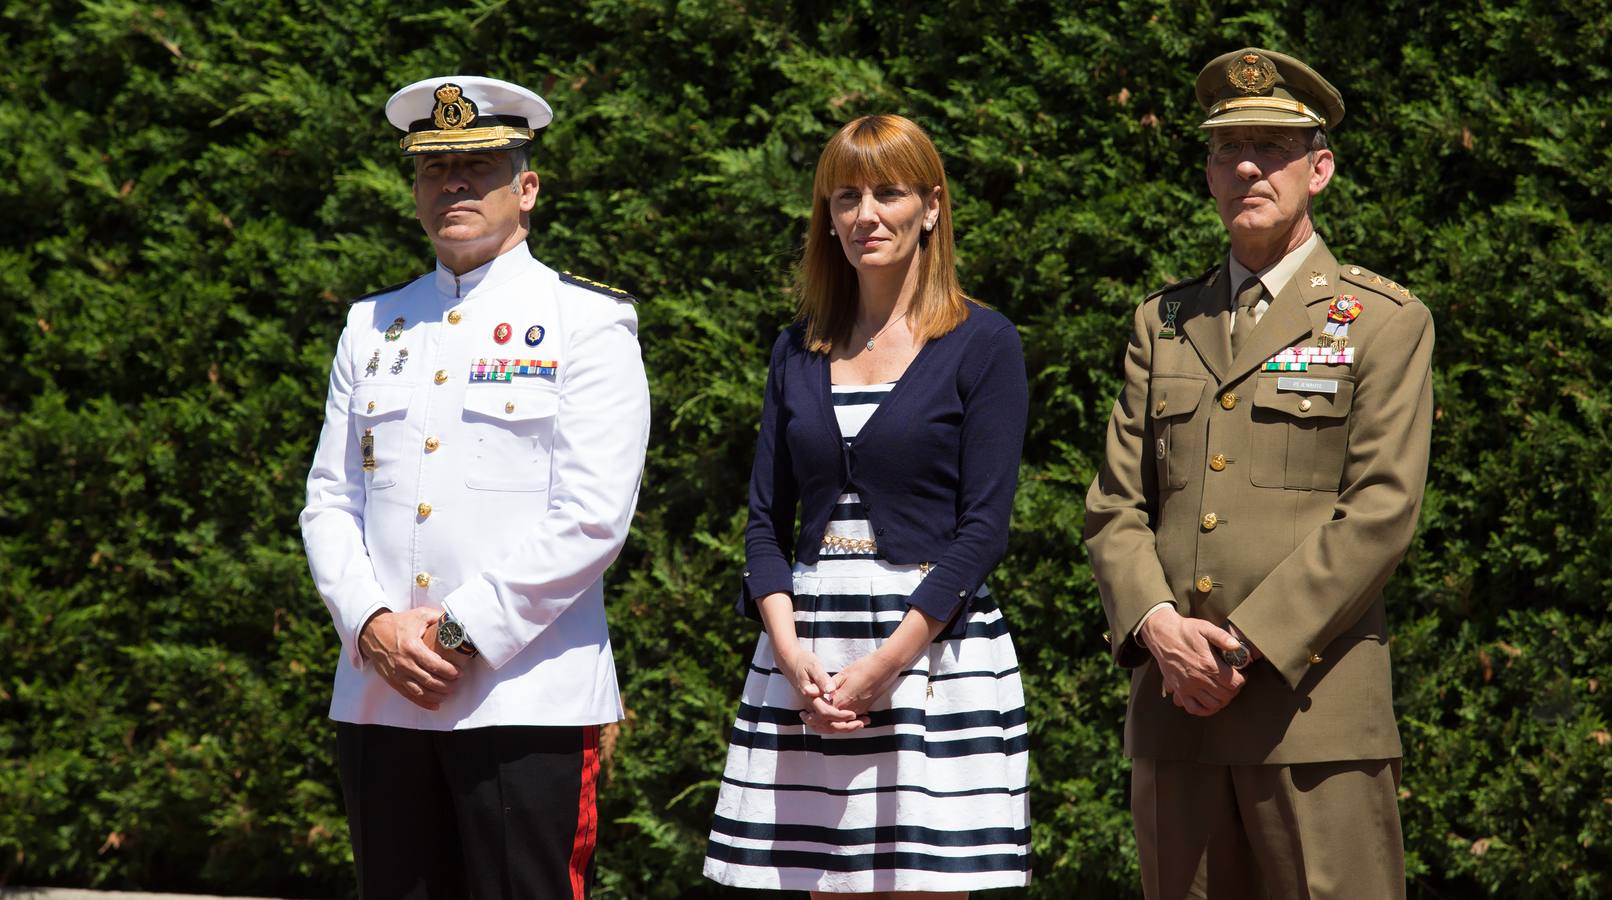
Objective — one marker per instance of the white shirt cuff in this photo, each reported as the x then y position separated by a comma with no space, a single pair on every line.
1136,633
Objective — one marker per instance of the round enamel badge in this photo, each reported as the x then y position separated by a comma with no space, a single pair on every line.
534,335
502,332
1344,309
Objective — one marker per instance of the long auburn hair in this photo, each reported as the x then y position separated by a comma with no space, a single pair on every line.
876,150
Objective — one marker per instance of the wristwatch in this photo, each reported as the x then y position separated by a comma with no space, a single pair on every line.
451,635
1239,658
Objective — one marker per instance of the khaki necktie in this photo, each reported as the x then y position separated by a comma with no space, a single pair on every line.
1247,296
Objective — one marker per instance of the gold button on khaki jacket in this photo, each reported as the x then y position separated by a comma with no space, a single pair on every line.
1280,501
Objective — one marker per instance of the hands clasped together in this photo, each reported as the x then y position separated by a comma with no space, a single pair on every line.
838,703
403,648
1188,654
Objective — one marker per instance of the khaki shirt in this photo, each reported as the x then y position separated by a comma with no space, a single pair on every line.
1280,501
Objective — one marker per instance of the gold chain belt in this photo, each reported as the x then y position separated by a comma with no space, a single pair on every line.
851,545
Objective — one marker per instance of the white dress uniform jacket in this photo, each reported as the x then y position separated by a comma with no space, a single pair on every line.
501,500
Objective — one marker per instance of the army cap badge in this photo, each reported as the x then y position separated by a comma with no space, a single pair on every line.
465,114
1261,87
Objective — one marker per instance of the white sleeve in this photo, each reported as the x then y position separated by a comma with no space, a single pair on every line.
600,435
333,521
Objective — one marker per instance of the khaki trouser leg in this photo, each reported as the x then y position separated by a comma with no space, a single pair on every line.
1189,837
1324,831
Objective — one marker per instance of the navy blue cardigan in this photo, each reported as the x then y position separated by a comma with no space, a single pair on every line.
936,466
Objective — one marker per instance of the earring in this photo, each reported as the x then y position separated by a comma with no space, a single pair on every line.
929,227
832,231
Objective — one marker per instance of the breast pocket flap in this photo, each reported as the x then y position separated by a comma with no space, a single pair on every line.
380,401
1176,395
506,403
1320,398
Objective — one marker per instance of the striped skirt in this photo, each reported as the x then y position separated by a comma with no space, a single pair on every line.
931,796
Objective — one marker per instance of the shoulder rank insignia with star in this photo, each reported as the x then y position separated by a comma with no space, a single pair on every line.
613,293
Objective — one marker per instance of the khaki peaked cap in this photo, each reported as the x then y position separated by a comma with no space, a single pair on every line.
1261,87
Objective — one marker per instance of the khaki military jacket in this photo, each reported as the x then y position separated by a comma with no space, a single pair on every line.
1280,501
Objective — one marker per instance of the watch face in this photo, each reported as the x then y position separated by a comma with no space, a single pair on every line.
1237,659
450,634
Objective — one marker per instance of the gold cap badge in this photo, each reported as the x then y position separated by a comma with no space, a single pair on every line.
453,109
1259,87
465,114
1252,74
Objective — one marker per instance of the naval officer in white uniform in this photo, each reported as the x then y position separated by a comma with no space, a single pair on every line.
477,472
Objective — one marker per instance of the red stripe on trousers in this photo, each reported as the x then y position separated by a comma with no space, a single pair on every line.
587,814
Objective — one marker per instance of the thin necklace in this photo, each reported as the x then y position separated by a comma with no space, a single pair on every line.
892,321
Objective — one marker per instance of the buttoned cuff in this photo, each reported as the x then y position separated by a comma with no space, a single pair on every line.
942,599
760,579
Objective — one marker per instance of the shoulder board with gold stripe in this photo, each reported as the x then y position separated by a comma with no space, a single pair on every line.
613,293
1370,280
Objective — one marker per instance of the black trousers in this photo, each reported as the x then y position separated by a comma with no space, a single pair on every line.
503,813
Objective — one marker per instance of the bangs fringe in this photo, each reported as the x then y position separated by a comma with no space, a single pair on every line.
876,150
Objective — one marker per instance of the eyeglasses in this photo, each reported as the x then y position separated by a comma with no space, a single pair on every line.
1269,150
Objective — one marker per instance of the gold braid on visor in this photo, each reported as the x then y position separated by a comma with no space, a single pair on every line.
465,138
1267,103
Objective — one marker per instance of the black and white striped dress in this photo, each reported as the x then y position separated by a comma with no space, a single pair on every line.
932,795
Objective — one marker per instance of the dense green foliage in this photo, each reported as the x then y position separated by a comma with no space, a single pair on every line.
193,192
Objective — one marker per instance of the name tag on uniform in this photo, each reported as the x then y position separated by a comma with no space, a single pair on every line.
1308,385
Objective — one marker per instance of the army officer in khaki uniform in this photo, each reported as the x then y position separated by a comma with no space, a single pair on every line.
1264,471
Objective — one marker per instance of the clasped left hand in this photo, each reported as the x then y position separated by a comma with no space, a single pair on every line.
855,689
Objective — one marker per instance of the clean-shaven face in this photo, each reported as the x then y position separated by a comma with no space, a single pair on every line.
879,224
1262,178
466,197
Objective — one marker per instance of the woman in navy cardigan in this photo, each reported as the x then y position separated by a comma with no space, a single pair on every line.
880,744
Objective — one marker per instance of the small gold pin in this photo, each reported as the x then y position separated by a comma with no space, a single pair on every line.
374,363
1317,279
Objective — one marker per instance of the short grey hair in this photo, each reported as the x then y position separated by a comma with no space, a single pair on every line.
520,161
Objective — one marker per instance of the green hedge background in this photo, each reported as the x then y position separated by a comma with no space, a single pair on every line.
192,193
